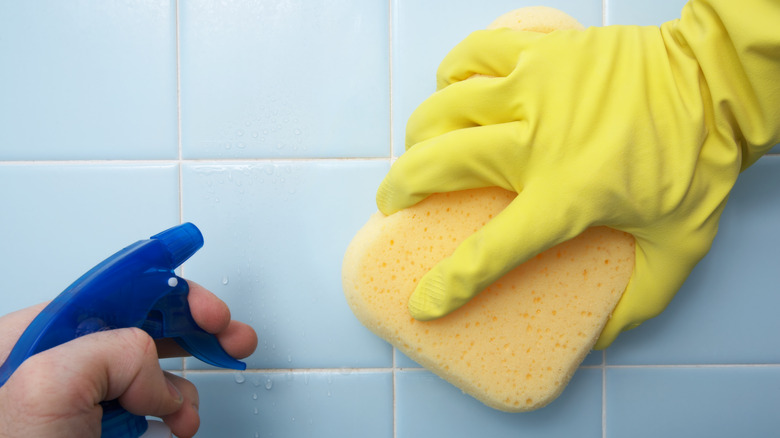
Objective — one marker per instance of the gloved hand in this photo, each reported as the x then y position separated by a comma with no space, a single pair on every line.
642,129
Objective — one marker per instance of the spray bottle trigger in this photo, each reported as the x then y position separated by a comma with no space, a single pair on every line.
170,317
206,347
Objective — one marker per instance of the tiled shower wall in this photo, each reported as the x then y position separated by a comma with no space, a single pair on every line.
270,124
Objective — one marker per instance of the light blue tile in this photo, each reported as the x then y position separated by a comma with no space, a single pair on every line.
423,33
285,79
594,358
642,12
276,233
403,361
726,312
294,405
429,407
88,80
687,402
59,221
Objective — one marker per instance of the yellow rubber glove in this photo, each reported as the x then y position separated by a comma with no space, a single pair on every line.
642,129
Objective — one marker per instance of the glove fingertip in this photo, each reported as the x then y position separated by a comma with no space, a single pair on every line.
606,338
385,199
430,299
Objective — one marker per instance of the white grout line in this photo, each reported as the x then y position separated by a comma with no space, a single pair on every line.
87,162
395,397
163,161
696,365
390,73
604,8
394,369
178,102
178,138
391,126
297,370
604,394
235,160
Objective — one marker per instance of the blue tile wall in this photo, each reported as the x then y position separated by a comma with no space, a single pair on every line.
269,124
641,12
91,80
427,406
693,401
308,79
304,404
60,219
314,208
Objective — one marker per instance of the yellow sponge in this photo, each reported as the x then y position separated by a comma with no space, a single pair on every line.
536,19
516,345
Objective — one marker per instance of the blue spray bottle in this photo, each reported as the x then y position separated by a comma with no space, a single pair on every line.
136,287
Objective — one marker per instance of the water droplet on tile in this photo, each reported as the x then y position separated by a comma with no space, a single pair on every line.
254,396
255,411
225,280
269,384
239,377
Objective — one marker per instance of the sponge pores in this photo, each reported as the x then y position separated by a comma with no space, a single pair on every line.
516,345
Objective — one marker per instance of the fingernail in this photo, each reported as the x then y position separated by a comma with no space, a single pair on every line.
175,392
